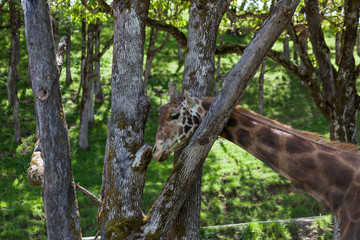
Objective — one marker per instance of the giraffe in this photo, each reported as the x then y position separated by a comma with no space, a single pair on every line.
328,171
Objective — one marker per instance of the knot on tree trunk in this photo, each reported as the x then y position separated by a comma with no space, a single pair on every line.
143,156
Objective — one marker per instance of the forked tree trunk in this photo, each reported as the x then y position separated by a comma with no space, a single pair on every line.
121,216
14,61
199,70
60,204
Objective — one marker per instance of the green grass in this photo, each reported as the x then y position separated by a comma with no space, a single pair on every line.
236,187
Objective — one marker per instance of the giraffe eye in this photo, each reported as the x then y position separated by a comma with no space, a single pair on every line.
174,116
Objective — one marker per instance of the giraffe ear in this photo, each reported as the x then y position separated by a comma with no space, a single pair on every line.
190,101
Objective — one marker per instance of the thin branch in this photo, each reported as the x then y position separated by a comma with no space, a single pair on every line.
163,43
87,193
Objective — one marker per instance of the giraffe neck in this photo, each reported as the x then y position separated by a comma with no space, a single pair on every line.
327,171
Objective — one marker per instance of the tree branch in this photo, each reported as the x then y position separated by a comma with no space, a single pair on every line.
176,32
88,193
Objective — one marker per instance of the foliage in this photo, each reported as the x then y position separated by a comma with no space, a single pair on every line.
169,11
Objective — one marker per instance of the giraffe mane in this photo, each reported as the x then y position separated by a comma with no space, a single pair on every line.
313,137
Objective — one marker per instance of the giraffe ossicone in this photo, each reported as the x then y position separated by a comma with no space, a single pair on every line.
328,171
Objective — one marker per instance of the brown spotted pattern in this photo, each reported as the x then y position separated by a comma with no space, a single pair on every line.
328,172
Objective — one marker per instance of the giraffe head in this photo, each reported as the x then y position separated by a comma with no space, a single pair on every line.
177,122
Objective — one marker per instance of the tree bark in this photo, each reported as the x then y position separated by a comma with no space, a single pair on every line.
68,54
61,210
261,87
14,61
337,47
120,216
286,49
97,84
198,78
150,56
83,48
218,67
87,103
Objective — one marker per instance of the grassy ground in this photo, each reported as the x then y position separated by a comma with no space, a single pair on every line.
236,187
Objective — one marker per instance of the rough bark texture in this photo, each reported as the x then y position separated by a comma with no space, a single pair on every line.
286,49
120,216
97,84
188,166
14,61
61,210
68,54
87,85
199,70
83,47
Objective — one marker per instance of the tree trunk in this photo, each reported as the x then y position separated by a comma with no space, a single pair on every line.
55,30
83,48
261,87
150,56
68,54
14,61
87,103
337,47
61,210
218,67
198,78
286,48
97,84
120,216
358,44
180,55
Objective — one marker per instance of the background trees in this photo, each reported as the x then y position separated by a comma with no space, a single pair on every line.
199,57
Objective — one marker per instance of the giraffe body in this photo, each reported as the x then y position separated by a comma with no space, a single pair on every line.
328,171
